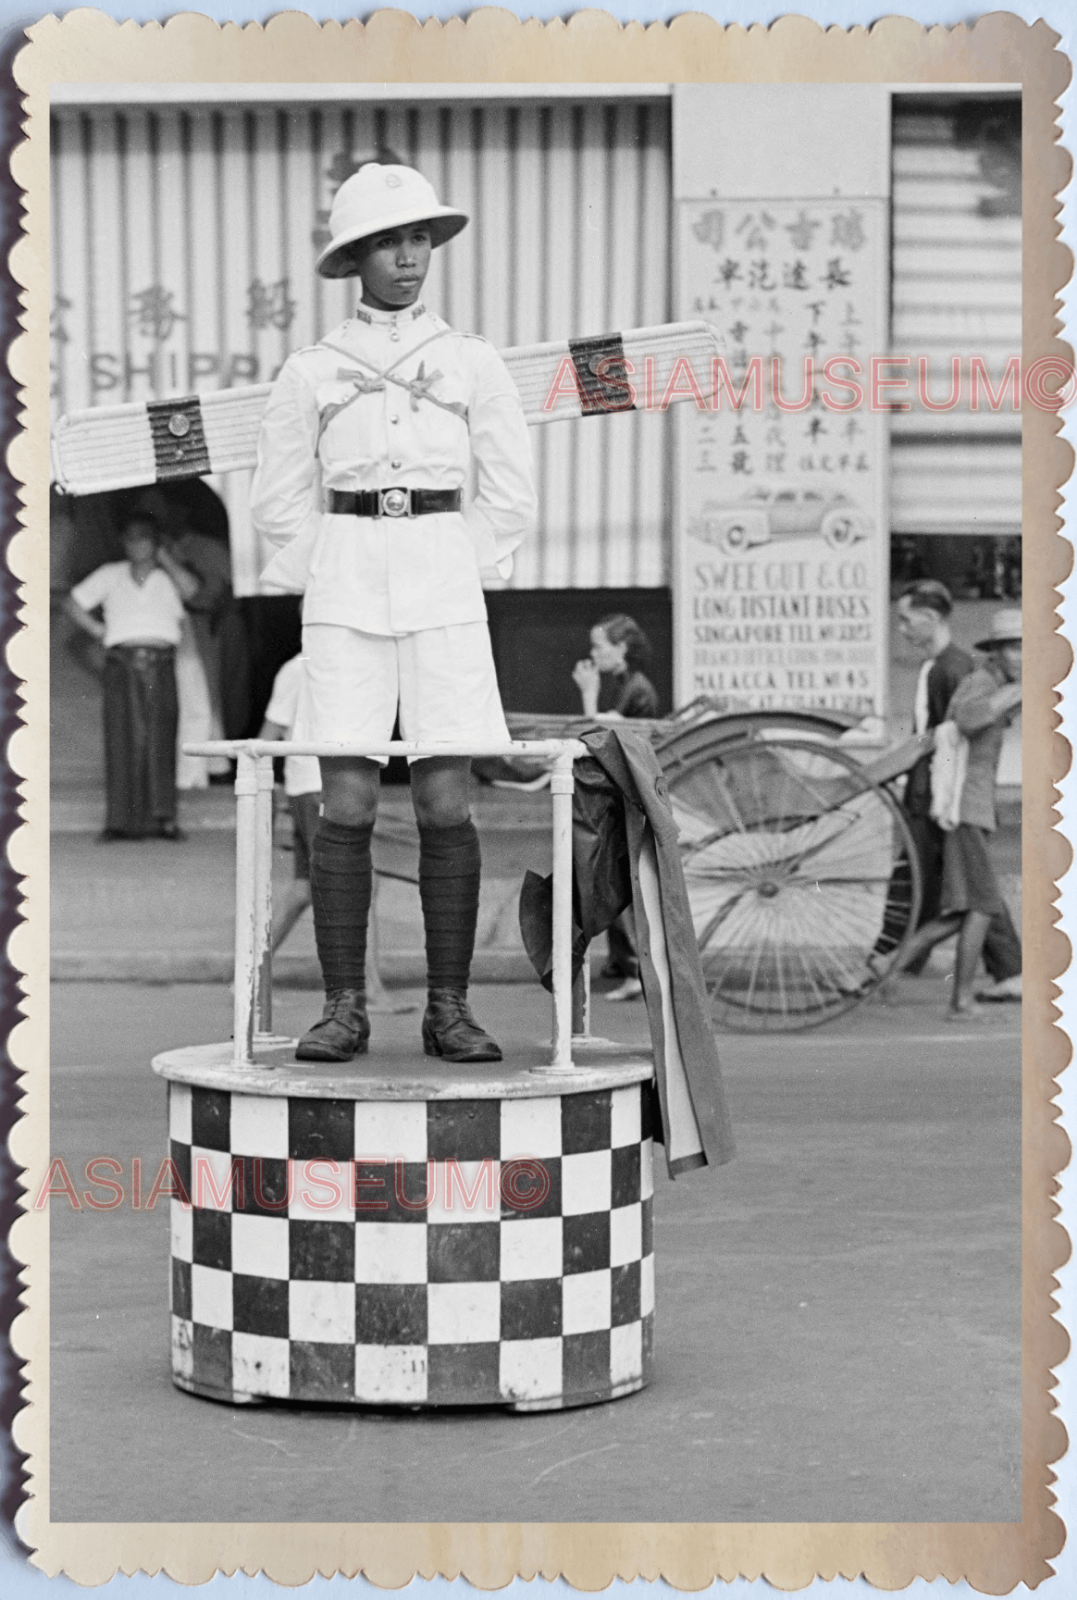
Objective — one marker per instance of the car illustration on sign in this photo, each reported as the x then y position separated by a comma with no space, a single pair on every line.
769,515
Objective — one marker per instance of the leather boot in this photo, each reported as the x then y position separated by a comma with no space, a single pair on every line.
450,1030
343,1031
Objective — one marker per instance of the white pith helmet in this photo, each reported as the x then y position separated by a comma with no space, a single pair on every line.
379,197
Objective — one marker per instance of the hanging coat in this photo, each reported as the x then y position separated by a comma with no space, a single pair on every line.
624,853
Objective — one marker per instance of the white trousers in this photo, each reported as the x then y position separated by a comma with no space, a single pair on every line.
441,680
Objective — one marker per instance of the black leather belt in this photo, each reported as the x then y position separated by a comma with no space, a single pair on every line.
392,502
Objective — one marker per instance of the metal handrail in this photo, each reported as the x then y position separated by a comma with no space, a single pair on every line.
253,1002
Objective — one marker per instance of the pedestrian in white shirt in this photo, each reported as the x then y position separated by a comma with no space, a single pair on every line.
140,601
368,442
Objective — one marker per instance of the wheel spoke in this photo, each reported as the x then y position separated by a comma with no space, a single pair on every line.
719,917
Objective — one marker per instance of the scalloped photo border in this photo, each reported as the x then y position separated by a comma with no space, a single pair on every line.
494,46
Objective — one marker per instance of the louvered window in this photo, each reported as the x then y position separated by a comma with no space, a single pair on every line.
957,292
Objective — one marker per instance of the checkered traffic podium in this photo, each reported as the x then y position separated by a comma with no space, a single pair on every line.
397,1230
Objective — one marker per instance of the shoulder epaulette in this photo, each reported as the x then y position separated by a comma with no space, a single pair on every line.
304,350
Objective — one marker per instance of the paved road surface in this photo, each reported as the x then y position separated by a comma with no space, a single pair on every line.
838,1314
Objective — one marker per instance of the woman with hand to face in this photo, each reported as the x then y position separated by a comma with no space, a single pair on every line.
620,653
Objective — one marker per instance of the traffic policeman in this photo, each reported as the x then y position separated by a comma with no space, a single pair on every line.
394,469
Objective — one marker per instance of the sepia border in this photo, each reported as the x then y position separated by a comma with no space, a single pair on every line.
494,46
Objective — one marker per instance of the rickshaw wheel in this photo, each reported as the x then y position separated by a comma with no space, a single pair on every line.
679,745
802,876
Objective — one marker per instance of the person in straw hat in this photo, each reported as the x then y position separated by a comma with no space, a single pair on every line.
368,441
983,704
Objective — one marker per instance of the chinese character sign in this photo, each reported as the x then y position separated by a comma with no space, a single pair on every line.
781,545
125,328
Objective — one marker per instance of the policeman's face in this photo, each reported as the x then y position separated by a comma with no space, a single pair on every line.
393,266
1010,658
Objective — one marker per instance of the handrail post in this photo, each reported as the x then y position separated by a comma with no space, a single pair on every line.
252,1013
244,999
263,896
562,786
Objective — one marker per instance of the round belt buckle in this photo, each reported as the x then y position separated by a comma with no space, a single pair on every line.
394,502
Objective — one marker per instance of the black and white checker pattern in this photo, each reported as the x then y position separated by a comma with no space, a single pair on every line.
411,1264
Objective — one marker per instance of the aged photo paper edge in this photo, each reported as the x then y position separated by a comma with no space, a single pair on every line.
87,45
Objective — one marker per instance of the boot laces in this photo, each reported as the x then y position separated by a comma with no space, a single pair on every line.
342,1004
454,1001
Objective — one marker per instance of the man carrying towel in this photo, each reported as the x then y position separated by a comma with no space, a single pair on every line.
981,708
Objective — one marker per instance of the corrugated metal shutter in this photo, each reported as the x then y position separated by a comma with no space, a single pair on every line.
183,258
957,291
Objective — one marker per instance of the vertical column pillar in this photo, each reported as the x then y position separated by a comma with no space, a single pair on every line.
781,549
263,895
246,974
561,788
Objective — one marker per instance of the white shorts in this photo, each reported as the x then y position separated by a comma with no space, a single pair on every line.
441,680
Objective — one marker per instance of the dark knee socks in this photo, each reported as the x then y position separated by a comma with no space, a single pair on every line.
449,869
449,872
340,886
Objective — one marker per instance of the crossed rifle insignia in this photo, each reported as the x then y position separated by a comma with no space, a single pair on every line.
368,380
419,386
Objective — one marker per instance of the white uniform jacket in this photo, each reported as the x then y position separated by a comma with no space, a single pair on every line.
393,399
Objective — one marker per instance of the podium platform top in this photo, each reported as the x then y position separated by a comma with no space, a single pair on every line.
399,1071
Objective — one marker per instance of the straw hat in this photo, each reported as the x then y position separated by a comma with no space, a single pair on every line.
377,198
1005,629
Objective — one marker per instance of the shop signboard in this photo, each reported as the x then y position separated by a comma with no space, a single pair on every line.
783,545
781,523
